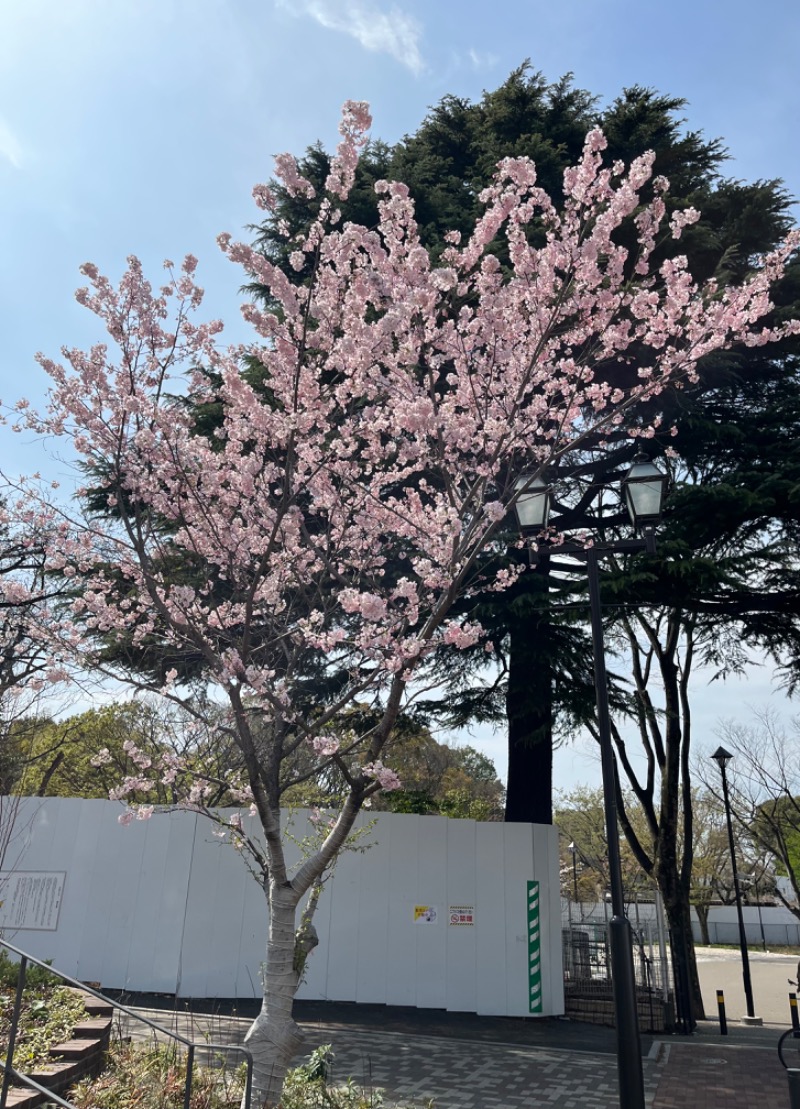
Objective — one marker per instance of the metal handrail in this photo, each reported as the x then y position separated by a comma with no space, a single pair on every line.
190,1045
26,1081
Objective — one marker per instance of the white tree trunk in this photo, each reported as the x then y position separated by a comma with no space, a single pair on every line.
274,1038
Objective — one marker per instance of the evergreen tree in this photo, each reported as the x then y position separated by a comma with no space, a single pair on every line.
725,579
545,662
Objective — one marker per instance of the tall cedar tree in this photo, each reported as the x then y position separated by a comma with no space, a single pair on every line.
545,662
717,580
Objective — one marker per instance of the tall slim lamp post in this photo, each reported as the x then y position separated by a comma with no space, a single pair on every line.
643,490
722,757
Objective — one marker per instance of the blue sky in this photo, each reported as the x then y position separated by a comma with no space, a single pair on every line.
140,126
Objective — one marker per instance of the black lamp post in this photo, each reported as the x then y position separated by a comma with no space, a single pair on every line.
643,490
722,757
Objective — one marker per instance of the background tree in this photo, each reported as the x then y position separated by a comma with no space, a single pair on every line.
539,679
712,873
400,400
581,820
88,754
764,786
725,583
580,817
449,780
437,778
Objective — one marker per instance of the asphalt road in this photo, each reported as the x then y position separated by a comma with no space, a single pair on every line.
721,969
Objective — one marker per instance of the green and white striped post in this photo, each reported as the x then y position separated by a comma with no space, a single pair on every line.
534,950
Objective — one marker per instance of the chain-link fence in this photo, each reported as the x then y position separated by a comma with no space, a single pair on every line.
587,974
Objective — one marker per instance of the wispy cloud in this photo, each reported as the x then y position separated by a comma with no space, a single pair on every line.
483,59
10,149
391,31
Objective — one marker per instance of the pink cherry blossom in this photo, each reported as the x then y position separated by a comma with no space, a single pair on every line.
386,778
325,746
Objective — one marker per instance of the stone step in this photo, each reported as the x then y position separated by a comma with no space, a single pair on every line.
58,1074
21,1098
93,1005
93,1027
72,1059
76,1048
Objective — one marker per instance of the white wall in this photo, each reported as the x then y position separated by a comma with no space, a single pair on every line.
780,927
163,906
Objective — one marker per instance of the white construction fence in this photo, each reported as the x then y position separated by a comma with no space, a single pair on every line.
437,913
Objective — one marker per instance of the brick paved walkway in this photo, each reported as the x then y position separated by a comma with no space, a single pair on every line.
465,1064
453,1072
464,1075
706,1076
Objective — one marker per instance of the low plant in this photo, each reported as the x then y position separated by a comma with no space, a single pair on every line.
154,1077
34,975
47,1016
306,1087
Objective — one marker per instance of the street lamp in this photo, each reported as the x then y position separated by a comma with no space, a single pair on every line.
533,502
722,757
644,486
642,490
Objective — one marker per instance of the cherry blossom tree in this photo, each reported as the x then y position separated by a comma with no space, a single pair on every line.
354,492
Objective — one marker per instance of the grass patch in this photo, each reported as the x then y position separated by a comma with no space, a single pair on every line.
48,1014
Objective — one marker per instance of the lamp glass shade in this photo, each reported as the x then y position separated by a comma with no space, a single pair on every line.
643,486
722,757
533,505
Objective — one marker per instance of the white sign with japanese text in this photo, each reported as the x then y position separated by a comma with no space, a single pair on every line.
31,899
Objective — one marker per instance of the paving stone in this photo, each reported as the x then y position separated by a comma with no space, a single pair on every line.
721,1078
460,1073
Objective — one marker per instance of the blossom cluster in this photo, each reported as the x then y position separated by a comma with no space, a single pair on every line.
386,778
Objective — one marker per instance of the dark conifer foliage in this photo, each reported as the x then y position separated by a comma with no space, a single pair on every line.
726,568
726,576
543,655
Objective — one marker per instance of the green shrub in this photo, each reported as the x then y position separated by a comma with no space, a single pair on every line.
34,975
47,1017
